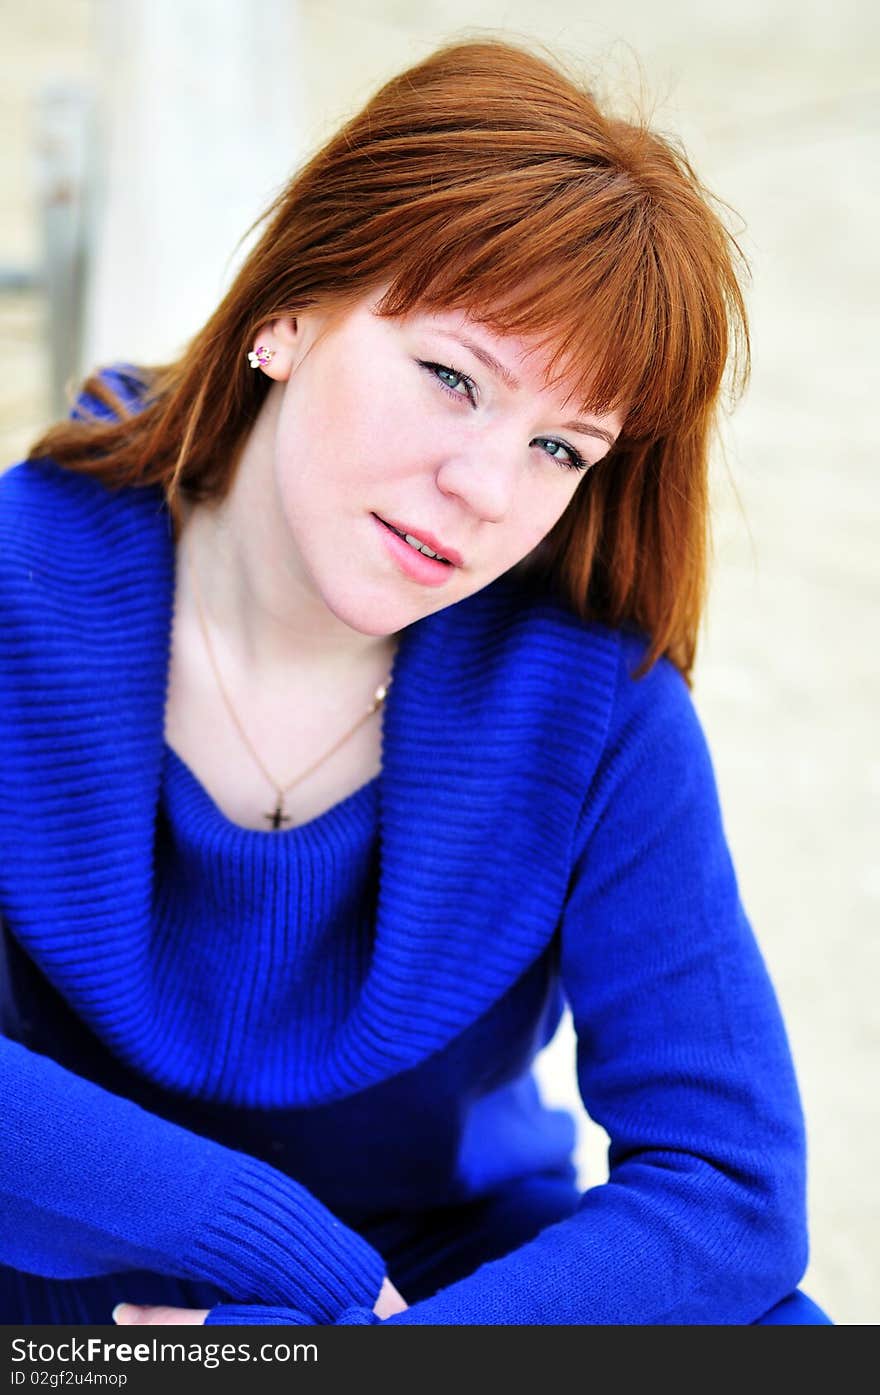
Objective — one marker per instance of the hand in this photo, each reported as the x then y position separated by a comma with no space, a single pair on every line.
129,1315
389,1300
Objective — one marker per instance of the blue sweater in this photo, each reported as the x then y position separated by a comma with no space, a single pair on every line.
227,1053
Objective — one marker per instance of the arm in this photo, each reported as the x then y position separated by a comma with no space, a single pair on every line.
682,1058
91,1183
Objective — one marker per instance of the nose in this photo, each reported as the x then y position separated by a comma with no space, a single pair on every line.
481,472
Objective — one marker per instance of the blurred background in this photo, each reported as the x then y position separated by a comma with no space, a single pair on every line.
142,138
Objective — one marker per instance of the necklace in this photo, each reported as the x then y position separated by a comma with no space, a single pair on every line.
277,818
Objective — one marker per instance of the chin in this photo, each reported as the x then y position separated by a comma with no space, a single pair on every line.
374,615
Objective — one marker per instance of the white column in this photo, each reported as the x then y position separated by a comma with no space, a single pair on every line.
201,122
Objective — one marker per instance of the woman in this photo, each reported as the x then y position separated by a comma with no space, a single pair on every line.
347,735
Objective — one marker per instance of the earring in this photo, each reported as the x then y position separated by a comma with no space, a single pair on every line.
261,357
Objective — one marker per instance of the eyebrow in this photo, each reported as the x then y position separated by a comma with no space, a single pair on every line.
489,360
584,428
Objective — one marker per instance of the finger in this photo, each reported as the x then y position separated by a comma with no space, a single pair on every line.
140,1315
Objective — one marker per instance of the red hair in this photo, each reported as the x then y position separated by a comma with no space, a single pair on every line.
485,178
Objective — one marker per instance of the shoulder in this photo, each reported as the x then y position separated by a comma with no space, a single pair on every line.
74,553
512,640
542,687
50,521
580,656
655,705
529,627
67,524
37,493
613,730
594,745
650,717
50,512
656,762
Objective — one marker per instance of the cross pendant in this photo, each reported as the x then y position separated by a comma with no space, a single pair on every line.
278,816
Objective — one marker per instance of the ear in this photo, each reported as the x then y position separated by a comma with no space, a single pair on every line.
275,348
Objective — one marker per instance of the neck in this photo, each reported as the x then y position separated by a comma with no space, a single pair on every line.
260,605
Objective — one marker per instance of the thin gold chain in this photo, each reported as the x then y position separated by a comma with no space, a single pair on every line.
281,790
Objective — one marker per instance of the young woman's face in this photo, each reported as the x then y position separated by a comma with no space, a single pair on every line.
406,422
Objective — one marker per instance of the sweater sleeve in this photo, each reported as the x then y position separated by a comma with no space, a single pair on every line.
682,1057
91,1183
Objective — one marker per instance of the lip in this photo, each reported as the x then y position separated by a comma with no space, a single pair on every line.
427,538
414,564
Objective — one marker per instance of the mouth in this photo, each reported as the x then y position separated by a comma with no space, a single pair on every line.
426,544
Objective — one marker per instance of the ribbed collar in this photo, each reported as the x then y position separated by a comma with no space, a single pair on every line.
491,734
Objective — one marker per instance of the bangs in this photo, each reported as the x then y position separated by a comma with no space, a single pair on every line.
634,306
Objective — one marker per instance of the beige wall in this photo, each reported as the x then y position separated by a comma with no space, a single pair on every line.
777,105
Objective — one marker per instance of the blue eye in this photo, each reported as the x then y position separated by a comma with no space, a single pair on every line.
438,370
450,379
574,461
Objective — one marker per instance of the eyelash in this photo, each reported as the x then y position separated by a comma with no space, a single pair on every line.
577,461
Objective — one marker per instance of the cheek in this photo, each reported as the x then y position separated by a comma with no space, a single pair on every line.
359,427
548,500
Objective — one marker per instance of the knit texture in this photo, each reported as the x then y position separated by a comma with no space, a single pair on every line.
229,1055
